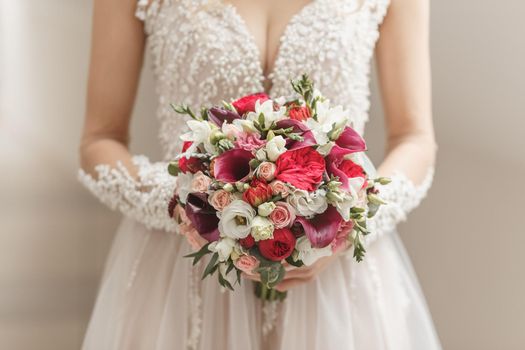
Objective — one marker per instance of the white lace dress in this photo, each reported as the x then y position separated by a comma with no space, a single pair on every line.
152,298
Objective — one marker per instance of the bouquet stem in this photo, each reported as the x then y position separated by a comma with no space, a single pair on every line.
263,292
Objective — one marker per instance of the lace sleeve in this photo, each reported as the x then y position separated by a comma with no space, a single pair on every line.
402,196
145,200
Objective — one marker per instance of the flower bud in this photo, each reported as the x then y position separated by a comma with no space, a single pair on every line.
228,187
374,199
266,209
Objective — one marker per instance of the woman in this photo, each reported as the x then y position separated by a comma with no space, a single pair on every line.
206,51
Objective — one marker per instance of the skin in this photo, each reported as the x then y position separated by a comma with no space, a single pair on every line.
402,57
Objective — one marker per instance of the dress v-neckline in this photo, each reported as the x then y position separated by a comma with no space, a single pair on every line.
251,42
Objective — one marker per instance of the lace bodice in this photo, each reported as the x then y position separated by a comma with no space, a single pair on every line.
203,52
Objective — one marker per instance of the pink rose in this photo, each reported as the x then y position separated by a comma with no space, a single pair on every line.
220,199
279,187
247,263
283,215
200,182
266,171
249,142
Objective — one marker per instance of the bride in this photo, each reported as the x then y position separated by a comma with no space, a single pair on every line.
205,51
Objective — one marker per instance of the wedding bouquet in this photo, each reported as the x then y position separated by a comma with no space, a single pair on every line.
265,181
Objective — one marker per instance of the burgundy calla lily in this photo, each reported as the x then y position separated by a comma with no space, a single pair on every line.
232,165
351,141
202,216
336,165
322,229
299,128
220,115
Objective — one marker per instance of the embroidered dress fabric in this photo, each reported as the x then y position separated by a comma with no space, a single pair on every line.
151,297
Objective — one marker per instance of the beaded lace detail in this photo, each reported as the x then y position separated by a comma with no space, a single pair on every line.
402,196
146,199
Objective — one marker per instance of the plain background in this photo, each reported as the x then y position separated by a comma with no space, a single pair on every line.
466,241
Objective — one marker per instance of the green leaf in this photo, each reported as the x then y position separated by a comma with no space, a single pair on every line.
199,254
224,282
272,274
212,265
230,267
173,169
293,262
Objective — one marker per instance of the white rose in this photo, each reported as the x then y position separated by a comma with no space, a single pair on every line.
224,247
275,147
262,228
236,220
308,254
308,204
184,182
267,110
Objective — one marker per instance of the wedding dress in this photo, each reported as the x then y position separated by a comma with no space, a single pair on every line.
152,298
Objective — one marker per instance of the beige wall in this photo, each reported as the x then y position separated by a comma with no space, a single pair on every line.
465,240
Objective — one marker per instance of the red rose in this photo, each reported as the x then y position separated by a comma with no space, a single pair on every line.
279,247
247,242
247,103
300,113
258,193
192,164
351,169
303,168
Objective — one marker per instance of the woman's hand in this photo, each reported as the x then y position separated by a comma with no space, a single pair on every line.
298,275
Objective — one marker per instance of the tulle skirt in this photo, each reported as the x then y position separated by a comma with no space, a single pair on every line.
152,298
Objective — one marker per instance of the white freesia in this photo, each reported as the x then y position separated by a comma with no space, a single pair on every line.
224,247
200,132
245,125
327,117
184,182
261,154
236,220
262,228
308,254
266,109
231,130
275,147
308,204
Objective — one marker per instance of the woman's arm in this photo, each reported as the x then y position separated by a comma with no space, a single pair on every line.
116,59
136,187
404,74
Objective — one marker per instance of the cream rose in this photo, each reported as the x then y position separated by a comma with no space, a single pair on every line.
220,199
283,215
279,188
266,171
200,182
262,228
